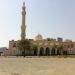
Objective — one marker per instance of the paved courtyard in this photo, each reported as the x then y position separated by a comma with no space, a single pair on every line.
37,66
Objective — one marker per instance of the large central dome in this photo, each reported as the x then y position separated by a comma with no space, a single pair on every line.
39,37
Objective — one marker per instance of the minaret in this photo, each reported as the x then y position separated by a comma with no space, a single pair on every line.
23,26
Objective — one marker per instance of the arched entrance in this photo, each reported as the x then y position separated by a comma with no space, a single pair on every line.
41,51
53,51
47,51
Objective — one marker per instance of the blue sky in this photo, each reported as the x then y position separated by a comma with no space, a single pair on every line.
51,18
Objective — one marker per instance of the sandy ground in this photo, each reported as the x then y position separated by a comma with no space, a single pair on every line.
37,66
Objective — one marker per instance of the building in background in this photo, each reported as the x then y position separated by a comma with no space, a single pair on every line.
60,39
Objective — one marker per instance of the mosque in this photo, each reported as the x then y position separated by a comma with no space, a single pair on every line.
46,47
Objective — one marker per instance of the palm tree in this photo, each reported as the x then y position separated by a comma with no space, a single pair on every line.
24,45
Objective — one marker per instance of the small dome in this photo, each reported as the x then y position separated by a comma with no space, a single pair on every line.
39,37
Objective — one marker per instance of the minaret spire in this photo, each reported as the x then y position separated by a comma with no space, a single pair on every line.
23,26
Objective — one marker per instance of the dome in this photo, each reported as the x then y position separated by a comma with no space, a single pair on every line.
39,37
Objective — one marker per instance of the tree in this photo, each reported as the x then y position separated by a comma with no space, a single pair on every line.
60,50
35,49
24,45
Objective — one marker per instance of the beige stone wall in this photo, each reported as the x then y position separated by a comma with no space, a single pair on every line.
69,46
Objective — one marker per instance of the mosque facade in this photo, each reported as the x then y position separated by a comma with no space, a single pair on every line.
46,47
